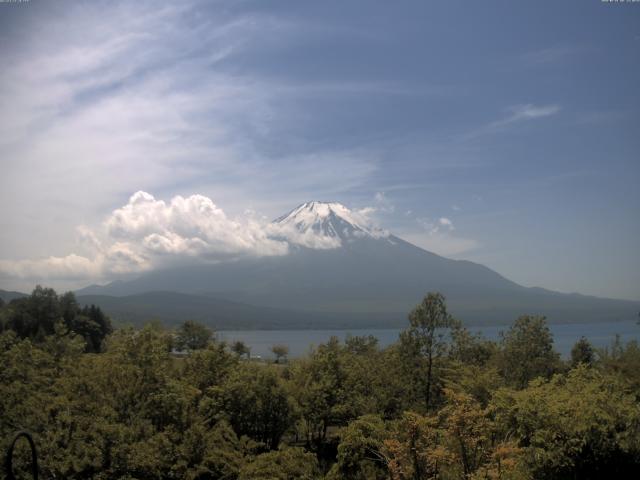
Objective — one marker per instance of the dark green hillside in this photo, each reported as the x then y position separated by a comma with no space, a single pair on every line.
7,296
172,308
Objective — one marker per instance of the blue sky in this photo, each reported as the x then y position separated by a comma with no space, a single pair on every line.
518,123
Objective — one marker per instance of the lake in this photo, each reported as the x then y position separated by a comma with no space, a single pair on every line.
300,342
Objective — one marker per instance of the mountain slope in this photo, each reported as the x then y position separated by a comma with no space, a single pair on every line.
172,307
7,296
340,265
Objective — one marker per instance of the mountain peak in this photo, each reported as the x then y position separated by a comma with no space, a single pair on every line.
309,213
331,221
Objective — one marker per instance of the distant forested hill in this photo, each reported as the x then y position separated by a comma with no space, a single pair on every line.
7,295
172,308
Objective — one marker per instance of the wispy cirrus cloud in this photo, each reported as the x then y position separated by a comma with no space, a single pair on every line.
549,55
441,243
514,114
438,235
528,112
438,225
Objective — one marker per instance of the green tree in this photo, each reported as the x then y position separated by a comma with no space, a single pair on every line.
423,344
288,463
479,382
391,383
526,351
211,453
624,361
360,454
208,367
361,345
92,325
318,386
240,348
255,402
37,315
469,348
579,425
582,352
460,442
3,316
280,351
473,448
192,336
414,450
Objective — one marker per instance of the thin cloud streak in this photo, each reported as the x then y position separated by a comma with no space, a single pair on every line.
549,56
443,244
515,114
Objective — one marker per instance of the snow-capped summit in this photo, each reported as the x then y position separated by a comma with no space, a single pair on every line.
325,225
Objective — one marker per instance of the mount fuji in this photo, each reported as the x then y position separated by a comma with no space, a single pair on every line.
341,271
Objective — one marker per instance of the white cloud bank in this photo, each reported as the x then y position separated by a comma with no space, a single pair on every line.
148,233
192,226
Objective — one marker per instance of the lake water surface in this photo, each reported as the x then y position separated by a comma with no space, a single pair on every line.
300,342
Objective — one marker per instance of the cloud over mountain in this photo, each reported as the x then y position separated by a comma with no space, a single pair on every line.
149,233
191,226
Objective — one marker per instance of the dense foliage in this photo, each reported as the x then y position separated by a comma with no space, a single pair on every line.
44,313
442,403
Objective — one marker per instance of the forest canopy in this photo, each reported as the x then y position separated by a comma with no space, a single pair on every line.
441,403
